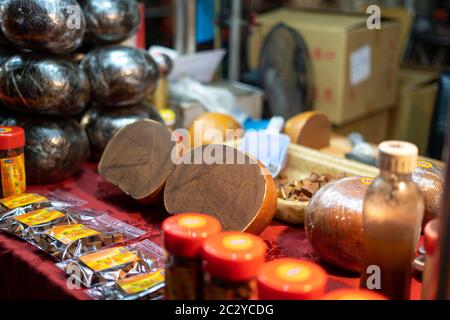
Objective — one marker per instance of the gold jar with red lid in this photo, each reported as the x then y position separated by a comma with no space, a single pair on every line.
12,161
291,279
183,236
231,263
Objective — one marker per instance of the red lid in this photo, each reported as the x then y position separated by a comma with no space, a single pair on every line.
233,256
185,233
353,294
11,138
440,14
431,236
291,279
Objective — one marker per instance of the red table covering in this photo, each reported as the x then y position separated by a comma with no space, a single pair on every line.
27,273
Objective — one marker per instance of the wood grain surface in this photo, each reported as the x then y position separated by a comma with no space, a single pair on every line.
138,160
240,195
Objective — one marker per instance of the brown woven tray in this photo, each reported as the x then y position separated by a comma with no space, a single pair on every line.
301,163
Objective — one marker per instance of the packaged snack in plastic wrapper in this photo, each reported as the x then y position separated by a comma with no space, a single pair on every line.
87,235
30,225
146,286
19,204
116,264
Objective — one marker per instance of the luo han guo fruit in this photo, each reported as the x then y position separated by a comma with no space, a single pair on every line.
55,149
333,222
55,26
43,85
119,75
110,21
102,123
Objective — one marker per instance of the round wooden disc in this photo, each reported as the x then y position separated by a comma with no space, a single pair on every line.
236,192
311,129
138,159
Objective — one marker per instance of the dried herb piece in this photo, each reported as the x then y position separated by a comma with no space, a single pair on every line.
303,189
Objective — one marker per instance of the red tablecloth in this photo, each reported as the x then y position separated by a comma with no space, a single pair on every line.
27,273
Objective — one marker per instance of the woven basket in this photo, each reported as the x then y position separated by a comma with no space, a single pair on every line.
301,163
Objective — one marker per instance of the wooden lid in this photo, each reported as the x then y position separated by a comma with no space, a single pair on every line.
237,193
138,159
311,129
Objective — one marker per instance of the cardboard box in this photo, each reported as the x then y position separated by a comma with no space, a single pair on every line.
411,118
374,128
405,18
354,68
249,99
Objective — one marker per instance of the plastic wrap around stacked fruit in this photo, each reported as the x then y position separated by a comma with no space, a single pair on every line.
48,80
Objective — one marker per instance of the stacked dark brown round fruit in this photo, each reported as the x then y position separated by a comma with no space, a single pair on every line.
45,86
121,77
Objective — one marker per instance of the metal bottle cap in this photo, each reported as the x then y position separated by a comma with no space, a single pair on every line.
397,156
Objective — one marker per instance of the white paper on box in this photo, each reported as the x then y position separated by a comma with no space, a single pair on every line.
199,66
360,65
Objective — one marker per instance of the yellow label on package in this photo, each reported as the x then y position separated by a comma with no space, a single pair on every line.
424,164
38,217
367,181
70,233
108,258
22,200
139,283
13,175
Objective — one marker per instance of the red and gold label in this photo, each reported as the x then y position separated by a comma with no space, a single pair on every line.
108,258
39,217
22,200
13,175
139,283
71,232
